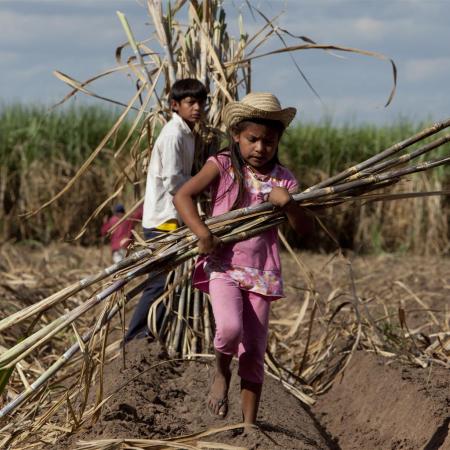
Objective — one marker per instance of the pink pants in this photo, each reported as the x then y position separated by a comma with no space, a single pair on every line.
242,322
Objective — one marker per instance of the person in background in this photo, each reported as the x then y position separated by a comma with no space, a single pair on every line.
170,167
120,236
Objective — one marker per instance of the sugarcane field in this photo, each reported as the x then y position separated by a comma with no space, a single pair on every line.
224,225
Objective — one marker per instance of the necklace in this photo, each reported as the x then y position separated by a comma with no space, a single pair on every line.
258,176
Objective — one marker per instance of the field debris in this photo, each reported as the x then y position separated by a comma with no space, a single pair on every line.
323,338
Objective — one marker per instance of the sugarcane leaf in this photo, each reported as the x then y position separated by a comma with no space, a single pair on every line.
299,70
128,32
5,375
402,317
79,87
340,48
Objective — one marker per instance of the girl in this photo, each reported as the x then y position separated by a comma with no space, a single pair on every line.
242,278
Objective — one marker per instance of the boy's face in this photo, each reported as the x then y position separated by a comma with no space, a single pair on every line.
190,109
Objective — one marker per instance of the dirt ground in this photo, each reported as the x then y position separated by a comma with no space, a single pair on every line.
374,406
381,406
168,400
378,403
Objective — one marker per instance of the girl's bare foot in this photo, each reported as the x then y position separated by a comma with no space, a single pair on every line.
218,394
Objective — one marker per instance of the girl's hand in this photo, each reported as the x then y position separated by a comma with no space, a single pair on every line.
279,196
208,243
295,213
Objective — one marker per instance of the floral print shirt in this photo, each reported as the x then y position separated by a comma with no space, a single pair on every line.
254,264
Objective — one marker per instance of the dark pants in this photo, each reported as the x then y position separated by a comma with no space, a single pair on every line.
138,323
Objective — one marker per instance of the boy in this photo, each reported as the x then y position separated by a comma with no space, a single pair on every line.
170,167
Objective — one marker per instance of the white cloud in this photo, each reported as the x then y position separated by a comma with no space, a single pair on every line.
372,28
7,57
355,29
426,69
18,28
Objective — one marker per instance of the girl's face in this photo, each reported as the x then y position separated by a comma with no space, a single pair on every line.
258,145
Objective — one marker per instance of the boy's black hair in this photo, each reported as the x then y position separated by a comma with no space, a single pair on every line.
188,87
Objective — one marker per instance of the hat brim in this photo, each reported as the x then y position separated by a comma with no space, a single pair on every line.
235,112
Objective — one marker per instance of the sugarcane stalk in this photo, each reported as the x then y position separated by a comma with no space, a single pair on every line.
155,9
435,128
232,237
25,347
203,45
175,343
53,369
57,365
161,332
188,318
401,159
315,194
371,179
71,290
196,321
38,338
262,208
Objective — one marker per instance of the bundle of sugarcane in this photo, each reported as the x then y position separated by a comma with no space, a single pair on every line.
186,327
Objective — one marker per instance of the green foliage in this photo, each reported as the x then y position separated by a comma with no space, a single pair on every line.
32,132
35,141
40,151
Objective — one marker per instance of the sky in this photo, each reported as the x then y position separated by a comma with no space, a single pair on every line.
79,38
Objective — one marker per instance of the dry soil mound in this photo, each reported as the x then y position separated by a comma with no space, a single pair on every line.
379,406
154,401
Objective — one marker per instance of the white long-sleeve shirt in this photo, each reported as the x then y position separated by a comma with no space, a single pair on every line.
170,166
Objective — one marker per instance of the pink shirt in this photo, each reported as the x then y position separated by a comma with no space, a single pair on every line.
121,236
254,263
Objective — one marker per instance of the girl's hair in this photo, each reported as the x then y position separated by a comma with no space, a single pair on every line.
237,162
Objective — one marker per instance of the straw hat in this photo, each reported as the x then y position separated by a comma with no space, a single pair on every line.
257,105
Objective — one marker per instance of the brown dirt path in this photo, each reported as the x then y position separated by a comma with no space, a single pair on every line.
375,406
169,400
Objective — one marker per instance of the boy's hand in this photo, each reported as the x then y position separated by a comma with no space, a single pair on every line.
279,196
208,243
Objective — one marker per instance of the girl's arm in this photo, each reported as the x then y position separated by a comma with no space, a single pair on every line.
186,207
299,221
